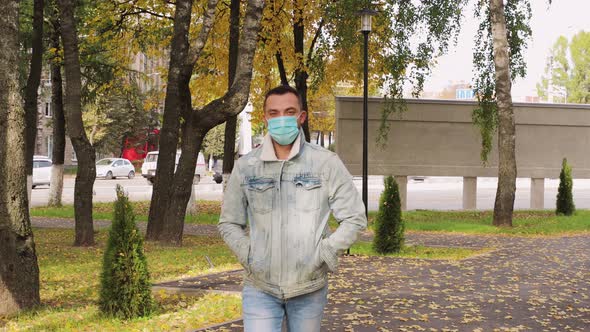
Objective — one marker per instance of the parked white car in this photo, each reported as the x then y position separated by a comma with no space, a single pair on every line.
41,171
148,169
110,168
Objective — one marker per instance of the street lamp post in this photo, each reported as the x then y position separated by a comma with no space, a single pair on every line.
366,15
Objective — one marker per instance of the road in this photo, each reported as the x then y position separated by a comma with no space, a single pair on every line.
435,193
137,188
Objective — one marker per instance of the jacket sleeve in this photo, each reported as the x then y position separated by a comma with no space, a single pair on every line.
348,209
233,218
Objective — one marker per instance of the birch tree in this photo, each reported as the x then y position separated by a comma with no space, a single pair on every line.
498,59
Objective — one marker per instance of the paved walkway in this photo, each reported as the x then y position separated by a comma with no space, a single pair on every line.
540,284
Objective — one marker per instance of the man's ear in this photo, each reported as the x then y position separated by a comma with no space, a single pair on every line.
302,117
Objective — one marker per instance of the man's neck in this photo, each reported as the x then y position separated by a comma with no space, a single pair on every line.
282,151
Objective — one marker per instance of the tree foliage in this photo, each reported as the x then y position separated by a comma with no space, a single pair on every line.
566,74
125,288
213,143
117,113
332,52
389,226
421,31
565,198
114,35
406,38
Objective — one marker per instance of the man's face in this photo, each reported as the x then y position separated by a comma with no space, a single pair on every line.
283,105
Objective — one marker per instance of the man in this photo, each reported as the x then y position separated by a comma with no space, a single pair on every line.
286,189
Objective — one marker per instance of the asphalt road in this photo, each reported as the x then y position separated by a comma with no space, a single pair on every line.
137,188
436,193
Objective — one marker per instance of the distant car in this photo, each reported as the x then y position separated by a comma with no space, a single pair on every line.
110,168
148,169
41,171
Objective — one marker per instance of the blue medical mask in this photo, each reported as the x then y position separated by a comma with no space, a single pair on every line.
283,129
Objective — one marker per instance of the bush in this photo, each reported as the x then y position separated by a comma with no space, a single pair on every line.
389,226
125,283
332,147
565,198
71,169
137,165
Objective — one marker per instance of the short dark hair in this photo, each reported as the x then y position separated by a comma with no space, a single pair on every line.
282,90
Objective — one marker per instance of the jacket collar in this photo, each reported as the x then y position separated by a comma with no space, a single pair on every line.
268,150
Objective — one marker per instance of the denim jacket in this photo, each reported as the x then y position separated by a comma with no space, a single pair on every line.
289,249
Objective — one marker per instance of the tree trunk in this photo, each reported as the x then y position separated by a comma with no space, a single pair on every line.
504,204
31,90
123,142
282,70
229,144
59,123
229,147
177,99
192,209
182,186
300,72
85,153
199,122
322,138
19,271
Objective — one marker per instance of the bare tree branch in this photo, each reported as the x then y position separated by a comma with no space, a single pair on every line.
227,106
139,10
199,44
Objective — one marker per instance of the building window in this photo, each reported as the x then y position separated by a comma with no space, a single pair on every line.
50,146
47,110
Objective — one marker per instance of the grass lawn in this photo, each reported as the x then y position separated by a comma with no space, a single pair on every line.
208,212
70,279
526,223
366,249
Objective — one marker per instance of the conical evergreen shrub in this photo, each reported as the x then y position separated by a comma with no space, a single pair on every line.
565,198
125,290
389,226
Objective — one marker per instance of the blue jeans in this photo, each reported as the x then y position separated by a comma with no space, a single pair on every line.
264,313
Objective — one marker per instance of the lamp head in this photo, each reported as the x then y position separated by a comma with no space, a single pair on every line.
366,15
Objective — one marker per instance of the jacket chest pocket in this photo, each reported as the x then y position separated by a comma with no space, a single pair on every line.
261,194
307,191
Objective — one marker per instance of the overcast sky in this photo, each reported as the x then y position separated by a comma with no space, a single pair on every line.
563,17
